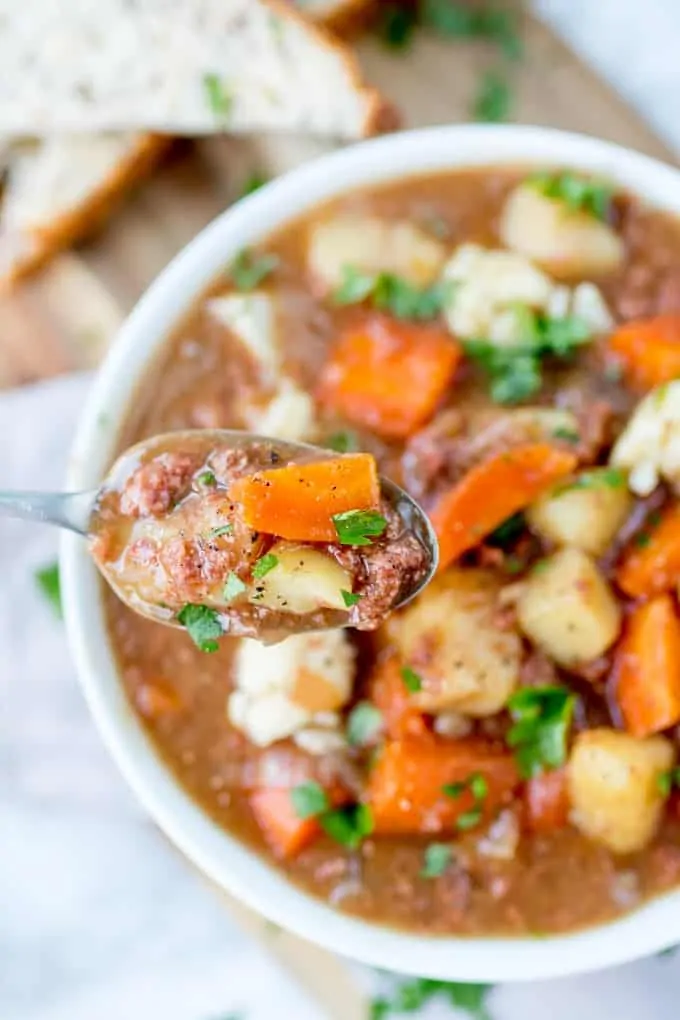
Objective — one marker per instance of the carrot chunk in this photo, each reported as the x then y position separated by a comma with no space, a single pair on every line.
388,376
389,693
653,567
493,491
414,786
647,668
648,350
299,501
546,801
285,833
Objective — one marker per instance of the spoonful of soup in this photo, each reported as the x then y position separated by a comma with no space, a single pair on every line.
221,532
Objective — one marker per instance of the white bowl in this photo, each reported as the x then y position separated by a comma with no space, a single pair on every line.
221,858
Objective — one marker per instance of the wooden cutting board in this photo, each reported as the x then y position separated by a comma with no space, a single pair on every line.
65,318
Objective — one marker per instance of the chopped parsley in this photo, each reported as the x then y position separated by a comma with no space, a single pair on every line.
264,565
436,860
48,582
224,529
393,294
580,194
202,625
357,527
611,478
348,825
411,995
478,786
350,598
249,269
207,478
493,100
508,532
397,25
309,800
233,587
412,681
568,435
453,19
342,442
253,183
542,717
219,99
364,723
515,370
642,540
666,781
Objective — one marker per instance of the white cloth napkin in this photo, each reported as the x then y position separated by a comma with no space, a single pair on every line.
99,918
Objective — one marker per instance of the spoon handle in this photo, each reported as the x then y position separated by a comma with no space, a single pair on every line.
70,510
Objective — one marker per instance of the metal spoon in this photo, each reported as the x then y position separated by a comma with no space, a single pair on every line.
75,510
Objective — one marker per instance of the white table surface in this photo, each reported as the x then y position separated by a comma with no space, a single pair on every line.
99,918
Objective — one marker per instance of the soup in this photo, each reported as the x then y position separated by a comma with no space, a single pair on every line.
499,756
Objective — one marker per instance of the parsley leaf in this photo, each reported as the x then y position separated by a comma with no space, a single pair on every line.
478,786
580,194
515,371
207,478
363,723
436,860
542,717
412,682
264,565
460,20
611,478
353,527
342,442
309,800
348,825
413,994
397,25
492,103
253,183
202,625
248,269
217,95
393,294
233,587
47,579
665,781
350,598
508,532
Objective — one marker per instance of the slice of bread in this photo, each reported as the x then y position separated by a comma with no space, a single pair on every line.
183,67
60,189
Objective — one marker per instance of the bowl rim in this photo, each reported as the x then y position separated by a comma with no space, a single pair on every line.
218,855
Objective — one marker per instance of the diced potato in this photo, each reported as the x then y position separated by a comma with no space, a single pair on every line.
252,318
649,446
614,789
488,283
584,517
450,637
568,609
375,246
303,580
564,241
284,688
290,415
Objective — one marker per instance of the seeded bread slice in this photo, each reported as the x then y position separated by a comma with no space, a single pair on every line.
59,189
186,67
